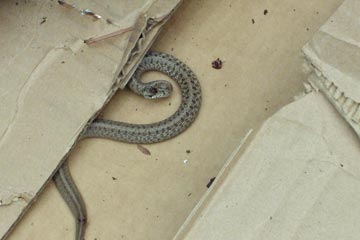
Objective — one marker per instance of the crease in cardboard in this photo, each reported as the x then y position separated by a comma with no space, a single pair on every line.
340,38
49,58
303,126
14,197
20,98
322,54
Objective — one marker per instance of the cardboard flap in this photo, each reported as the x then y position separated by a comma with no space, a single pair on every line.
60,65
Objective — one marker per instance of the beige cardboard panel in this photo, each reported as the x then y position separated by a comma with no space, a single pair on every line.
51,84
151,196
298,179
333,54
334,50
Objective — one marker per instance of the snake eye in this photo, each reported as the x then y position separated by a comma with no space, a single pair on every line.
153,90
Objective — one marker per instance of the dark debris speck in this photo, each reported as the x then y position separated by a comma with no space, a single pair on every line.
210,182
43,20
217,64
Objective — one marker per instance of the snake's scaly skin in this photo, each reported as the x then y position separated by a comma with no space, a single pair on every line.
163,130
70,193
139,133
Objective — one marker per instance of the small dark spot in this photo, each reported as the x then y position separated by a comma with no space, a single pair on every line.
253,21
266,109
146,209
217,64
210,182
169,103
341,165
136,109
266,11
317,12
270,217
16,3
188,151
62,62
113,178
153,90
43,20
189,195
307,29
157,216
109,21
81,50
294,9
225,85
172,49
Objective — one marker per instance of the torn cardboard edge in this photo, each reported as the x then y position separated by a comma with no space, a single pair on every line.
346,106
139,43
332,55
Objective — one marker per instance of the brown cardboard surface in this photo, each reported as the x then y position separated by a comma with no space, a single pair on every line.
298,179
52,82
130,195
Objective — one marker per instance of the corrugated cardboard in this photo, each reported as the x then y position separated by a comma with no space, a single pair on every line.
333,54
130,195
299,177
60,63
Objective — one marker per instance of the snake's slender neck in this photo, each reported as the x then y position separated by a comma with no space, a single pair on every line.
137,133
165,129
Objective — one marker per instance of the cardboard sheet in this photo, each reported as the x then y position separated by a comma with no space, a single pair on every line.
130,195
60,63
333,54
298,179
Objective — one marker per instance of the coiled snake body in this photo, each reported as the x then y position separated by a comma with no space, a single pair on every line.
139,133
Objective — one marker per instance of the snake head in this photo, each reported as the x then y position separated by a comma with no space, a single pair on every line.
158,89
